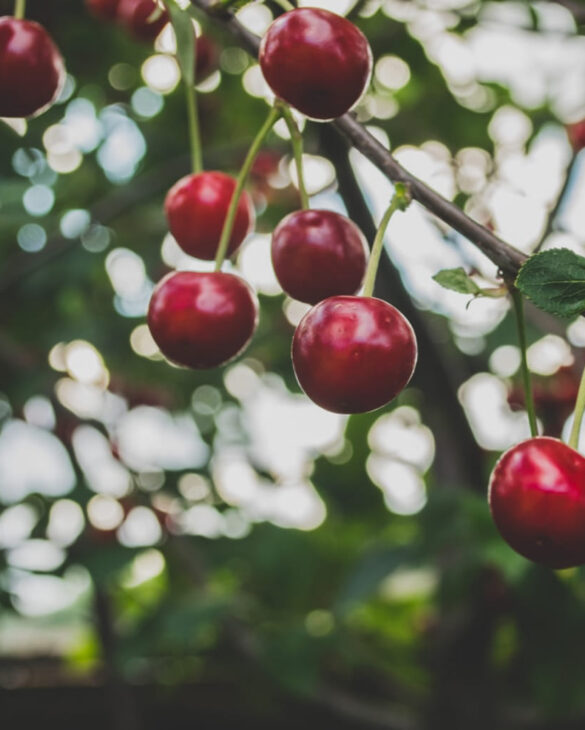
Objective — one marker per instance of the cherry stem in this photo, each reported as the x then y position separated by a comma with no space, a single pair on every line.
228,225
521,325
194,134
578,415
297,145
19,9
400,201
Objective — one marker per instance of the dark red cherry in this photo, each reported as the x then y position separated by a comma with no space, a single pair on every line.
134,16
32,72
103,9
318,254
353,354
202,320
196,208
317,61
537,500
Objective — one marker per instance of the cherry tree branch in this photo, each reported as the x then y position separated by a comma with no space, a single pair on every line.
507,258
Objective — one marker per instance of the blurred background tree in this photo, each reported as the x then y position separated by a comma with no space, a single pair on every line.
210,546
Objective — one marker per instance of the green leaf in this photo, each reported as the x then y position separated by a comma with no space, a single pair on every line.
185,35
555,281
457,280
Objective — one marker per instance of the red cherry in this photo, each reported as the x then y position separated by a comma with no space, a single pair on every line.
196,208
134,16
317,61
318,254
202,320
353,354
576,133
537,500
32,72
103,9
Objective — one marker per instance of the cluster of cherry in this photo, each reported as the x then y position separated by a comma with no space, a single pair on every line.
350,354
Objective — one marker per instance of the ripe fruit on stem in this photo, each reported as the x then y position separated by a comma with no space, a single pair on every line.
32,72
134,16
353,354
317,61
537,500
196,208
317,254
202,320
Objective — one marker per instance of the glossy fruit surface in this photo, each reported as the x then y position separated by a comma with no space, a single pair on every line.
353,354
317,61
32,72
196,208
103,9
134,16
202,320
537,500
318,254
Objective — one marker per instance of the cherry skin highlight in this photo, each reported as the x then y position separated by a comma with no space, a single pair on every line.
196,208
317,61
353,354
103,9
32,72
537,500
318,254
202,320
133,15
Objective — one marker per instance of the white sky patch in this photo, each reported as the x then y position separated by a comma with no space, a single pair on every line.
32,460
151,438
495,426
104,473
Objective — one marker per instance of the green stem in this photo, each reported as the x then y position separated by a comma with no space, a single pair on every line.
19,9
194,135
578,415
297,145
228,225
520,323
400,201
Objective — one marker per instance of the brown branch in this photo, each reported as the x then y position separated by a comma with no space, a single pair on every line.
507,258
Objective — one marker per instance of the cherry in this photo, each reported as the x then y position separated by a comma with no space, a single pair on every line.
353,354
134,16
317,254
537,500
317,61
32,72
196,208
103,9
202,320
